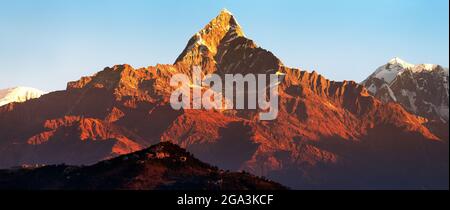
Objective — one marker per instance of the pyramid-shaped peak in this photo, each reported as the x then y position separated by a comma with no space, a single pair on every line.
225,11
223,26
396,60
224,22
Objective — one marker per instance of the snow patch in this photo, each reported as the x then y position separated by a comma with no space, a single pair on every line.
19,94
411,98
372,88
400,62
391,93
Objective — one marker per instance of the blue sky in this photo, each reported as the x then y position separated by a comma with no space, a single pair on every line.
46,43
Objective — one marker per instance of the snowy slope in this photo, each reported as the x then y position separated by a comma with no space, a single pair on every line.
19,94
392,69
422,89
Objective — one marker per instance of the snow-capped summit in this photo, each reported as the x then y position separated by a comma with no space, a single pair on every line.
422,89
400,62
391,70
224,10
19,94
208,39
396,66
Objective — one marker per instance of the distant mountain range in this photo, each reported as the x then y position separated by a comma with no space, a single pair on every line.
421,89
328,134
19,94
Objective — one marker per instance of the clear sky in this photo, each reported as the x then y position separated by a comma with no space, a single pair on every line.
46,43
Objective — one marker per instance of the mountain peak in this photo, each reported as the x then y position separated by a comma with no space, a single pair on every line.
413,67
399,61
410,85
209,38
396,60
224,22
225,11
228,18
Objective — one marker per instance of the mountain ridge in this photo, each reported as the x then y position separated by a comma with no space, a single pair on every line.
422,89
328,134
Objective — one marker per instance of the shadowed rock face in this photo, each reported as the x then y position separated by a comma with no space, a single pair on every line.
327,135
231,150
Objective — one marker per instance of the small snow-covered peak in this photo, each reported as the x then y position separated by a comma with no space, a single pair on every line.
396,60
413,67
391,70
397,66
421,88
225,11
19,94
400,62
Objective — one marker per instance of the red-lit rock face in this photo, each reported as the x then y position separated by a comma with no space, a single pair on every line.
327,134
